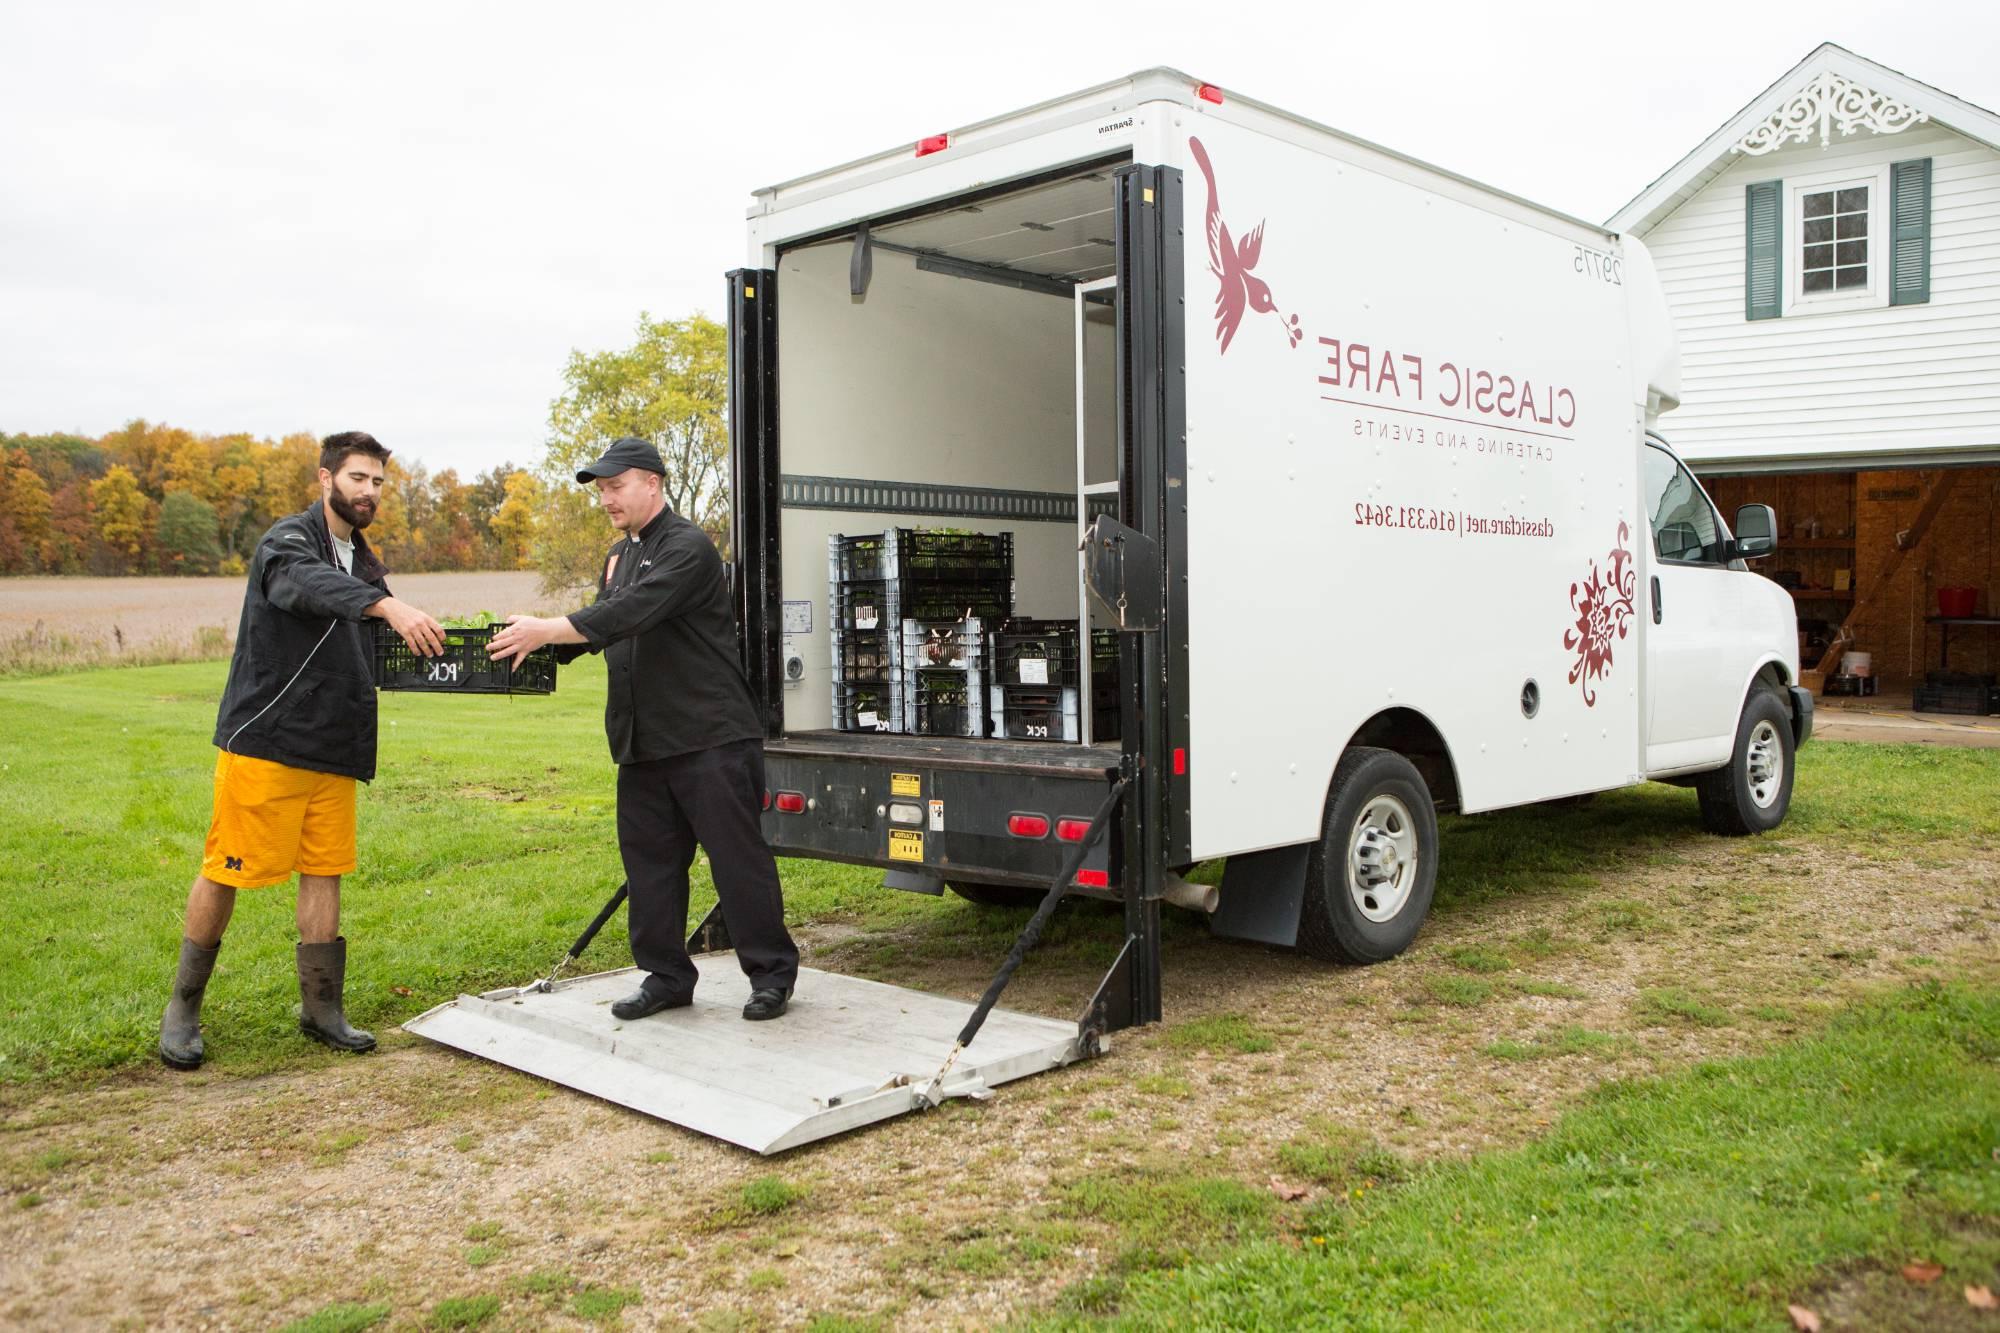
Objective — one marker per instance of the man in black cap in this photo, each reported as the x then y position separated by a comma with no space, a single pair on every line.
684,734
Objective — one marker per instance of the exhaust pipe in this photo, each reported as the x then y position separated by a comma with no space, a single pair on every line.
1194,897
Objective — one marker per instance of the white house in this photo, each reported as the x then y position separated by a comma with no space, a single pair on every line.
1832,258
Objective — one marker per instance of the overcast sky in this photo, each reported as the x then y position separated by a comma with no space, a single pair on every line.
401,217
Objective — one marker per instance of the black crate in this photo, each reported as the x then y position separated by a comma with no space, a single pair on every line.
1034,652
864,556
984,599
860,655
1033,713
863,606
1972,700
919,555
946,703
914,554
866,706
1852,686
464,667
1980,679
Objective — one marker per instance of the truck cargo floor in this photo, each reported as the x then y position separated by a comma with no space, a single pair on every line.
953,751
847,1053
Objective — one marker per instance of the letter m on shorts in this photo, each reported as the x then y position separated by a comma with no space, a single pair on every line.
232,863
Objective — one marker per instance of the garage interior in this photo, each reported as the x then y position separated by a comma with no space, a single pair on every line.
1874,561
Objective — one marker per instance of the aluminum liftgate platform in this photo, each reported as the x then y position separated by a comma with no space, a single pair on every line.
846,1053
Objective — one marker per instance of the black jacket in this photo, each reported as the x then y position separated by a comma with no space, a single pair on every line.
664,623
301,686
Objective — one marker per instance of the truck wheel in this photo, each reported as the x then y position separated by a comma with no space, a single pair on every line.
1369,881
996,895
1753,793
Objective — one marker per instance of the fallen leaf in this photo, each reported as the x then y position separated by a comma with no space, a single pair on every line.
402,990
242,1231
1981,1298
1286,1192
1804,1320
1923,1271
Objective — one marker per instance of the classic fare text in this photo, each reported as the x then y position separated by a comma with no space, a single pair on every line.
1357,366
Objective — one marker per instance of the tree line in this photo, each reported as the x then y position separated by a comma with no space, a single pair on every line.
156,499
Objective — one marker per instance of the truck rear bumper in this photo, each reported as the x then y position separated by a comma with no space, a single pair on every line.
937,806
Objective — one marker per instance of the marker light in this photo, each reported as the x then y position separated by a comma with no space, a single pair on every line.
791,802
1093,879
1208,92
937,143
1028,826
1072,830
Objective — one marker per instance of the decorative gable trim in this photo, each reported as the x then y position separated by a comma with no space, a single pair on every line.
1831,101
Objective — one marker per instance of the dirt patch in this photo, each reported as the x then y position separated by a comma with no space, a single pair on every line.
419,1175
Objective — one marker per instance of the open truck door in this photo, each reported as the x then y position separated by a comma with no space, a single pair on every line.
851,1052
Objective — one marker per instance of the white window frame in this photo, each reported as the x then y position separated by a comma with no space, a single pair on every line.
1876,294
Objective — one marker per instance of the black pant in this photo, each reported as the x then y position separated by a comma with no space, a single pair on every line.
712,797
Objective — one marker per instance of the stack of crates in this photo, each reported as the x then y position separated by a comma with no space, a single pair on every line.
1966,692
1104,707
942,677
875,582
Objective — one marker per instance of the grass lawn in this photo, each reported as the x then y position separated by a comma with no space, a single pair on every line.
486,842
1631,1076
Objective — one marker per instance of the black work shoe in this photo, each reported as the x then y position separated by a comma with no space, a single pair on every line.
180,1026
765,1003
642,1002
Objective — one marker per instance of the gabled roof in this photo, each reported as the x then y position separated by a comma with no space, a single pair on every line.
1831,91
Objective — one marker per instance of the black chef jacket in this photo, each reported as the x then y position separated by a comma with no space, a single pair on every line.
664,622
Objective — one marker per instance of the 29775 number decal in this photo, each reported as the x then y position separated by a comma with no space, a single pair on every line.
1599,265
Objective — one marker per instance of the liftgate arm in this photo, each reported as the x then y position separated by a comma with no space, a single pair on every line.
1030,934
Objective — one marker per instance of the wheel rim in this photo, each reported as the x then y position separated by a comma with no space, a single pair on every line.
1382,858
1765,763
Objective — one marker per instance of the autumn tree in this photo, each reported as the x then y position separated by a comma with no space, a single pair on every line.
513,525
26,502
124,516
187,535
670,387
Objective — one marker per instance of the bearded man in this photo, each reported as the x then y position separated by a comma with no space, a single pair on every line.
296,730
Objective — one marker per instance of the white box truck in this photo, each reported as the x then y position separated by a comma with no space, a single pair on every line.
1355,456
1361,453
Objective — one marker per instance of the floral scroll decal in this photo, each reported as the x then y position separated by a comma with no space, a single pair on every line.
1603,606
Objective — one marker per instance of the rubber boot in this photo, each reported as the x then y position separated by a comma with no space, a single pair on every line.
180,1026
322,976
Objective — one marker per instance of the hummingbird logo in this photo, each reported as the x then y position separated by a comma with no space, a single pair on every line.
1230,260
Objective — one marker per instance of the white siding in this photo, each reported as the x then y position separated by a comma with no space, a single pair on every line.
1893,380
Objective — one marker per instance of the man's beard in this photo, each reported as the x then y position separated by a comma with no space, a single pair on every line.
359,518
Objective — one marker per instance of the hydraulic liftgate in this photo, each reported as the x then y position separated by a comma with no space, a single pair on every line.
851,1052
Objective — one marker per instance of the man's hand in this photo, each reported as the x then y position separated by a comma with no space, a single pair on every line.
524,634
424,635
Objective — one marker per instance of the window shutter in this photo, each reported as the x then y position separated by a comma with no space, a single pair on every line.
1763,258
1910,232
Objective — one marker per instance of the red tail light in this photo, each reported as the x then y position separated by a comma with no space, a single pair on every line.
1072,830
767,799
1028,826
791,803
937,143
1093,879
1208,92
1180,761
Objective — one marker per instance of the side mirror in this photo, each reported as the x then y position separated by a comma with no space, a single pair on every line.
1756,531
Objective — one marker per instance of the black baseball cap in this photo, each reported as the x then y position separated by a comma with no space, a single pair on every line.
626,453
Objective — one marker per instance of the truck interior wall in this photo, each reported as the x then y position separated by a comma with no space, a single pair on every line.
935,379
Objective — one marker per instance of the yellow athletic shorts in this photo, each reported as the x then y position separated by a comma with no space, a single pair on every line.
271,820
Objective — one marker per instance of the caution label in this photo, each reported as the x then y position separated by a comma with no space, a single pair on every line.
905,845
906,784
